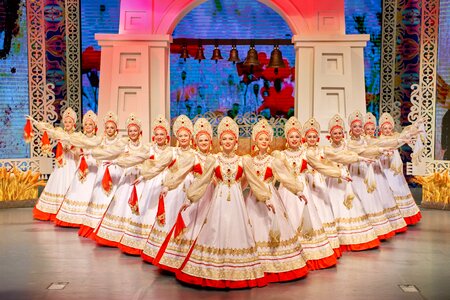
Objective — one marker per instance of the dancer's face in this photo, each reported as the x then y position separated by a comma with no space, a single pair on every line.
160,136
203,143
184,138
386,129
356,128
337,135
89,126
294,139
369,130
227,142
263,142
110,129
68,124
311,138
134,132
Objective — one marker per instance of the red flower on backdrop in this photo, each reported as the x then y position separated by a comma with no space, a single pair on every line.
278,98
177,48
283,73
90,60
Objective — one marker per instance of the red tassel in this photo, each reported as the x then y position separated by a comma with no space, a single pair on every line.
107,182
161,213
304,166
83,169
133,201
152,157
45,144
180,226
303,140
59,156
28,132
328,137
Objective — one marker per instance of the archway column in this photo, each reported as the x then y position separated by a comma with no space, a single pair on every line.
135,76
329,76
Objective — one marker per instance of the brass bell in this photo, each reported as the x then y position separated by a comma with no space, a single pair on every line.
200,55
184,53
276,59
234,55
252,57
216,54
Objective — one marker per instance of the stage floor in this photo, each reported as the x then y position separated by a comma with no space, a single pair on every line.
34,254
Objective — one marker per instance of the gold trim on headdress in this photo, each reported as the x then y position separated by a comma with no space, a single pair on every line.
90,115
386,118
110,117
369,118
162,123
182,122
336,122
310,125
133,120
228,125
262,127
202,126
69,112
292,124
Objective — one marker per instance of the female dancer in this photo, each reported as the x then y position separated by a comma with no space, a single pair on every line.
353,226
108,175
393,169
305,218
110,230
277,244
59,181
76,200
170,202
138,223
380,207
190,219
224,253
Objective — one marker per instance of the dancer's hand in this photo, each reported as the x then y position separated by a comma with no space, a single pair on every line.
302,197
185,205
139,179
164,191
366,160
270,206
347,178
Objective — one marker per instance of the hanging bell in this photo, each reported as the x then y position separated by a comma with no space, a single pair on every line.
234,55
216,54
252,57
184,53
200,55
276,59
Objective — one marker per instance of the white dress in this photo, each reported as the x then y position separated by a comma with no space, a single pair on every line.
224,254
100,200
76,200
305,218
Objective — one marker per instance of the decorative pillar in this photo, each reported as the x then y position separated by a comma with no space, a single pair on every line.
329,76
135,76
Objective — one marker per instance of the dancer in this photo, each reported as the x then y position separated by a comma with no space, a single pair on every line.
76,200
353,226
305,218
108,175
190,219
65,167
277,244
393,169
224,254
170,201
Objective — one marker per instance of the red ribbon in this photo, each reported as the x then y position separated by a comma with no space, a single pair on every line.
133,201
161,213
180,226
59,154
107,181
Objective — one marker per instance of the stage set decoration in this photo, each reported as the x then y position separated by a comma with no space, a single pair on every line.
390,68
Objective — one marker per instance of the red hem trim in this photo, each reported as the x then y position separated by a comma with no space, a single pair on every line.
287,276
401,230
323,263
413,220
363,246
85,231
60,223
166,268
221,284
337,252
386,236
129,250
146,258
43,216
104,242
